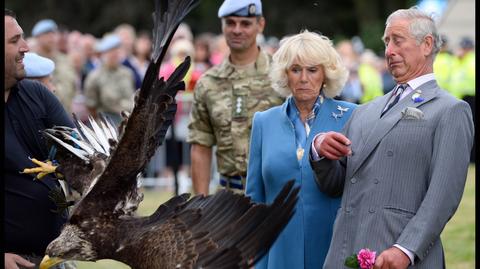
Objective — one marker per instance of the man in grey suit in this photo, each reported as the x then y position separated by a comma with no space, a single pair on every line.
402,160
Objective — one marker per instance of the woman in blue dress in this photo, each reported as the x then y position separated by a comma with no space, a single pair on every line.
308,70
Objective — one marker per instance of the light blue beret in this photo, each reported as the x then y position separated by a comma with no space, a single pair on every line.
44,26
241,8
108,42
37,66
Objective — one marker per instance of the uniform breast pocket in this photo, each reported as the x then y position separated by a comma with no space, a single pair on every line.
220,115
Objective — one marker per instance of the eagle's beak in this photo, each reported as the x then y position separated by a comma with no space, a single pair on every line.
48,262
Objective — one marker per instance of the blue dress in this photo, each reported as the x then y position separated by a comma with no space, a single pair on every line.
273,161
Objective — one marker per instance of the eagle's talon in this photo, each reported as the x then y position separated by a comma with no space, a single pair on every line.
43,169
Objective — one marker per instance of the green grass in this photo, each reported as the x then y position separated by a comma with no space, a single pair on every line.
458,237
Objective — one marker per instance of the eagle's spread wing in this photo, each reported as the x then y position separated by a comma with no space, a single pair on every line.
147,125
224,230
77,150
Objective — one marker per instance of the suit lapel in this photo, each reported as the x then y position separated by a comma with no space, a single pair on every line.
367,122
381,126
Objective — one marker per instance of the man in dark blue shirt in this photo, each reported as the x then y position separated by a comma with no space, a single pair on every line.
30,220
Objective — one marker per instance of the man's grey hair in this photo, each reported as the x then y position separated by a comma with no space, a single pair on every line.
422,24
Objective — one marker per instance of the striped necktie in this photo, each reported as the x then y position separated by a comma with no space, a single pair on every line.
398,93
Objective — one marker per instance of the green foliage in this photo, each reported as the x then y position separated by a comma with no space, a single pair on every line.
371,35
341,18
458,237
352,261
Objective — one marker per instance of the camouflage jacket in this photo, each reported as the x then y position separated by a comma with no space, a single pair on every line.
110,90
65,80
225,99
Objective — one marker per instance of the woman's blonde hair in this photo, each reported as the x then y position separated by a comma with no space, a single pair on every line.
310,49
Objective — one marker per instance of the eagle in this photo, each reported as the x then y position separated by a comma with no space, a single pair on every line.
103,163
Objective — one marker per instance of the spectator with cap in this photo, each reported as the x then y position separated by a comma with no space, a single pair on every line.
92,60
127,36
39,68
45,33
110,88
463,77
227,96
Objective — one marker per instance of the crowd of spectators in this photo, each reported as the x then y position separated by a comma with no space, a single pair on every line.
77,55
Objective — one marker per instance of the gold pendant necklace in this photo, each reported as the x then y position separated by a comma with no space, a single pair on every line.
300,152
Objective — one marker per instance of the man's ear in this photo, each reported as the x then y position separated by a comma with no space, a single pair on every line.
427,45
261,24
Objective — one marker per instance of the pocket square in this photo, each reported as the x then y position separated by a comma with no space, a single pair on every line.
412,113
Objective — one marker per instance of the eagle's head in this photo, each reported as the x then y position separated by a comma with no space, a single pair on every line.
71,244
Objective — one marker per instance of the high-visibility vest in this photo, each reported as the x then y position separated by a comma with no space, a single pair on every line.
371,81
442,68
463,75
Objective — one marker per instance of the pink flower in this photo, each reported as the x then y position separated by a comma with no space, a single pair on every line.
366,258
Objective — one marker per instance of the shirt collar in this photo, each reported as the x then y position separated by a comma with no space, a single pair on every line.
417,82
293,113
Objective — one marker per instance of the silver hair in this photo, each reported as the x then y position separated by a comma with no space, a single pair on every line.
422,24
309,49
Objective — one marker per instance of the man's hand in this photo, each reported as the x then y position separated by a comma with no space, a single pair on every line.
332,145
12,261
392,258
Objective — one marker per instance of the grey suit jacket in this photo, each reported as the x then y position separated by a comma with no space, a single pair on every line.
405,178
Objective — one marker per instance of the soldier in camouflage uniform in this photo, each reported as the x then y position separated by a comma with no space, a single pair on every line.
64,77
110,88
227,96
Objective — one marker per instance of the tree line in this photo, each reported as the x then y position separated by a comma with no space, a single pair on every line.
336,19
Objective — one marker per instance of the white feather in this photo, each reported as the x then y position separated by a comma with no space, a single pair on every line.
100,135
85,146
112,129
107,132
91,138
79,153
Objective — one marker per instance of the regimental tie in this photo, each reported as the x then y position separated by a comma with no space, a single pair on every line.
398,92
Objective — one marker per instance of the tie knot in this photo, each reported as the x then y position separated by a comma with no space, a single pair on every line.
401,88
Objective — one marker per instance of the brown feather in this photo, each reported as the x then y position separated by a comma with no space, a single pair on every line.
224,230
